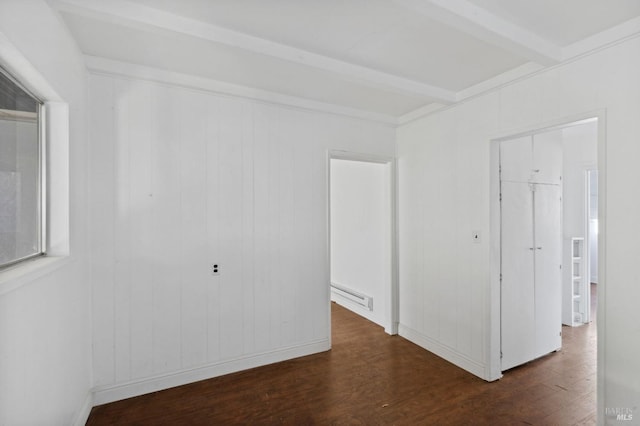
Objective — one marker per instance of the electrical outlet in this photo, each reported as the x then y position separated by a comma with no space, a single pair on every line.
215,269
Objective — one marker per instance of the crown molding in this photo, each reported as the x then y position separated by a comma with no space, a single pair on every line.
98,65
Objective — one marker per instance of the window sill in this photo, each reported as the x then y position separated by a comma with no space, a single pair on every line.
28,271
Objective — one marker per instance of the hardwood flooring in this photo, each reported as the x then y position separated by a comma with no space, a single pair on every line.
370,378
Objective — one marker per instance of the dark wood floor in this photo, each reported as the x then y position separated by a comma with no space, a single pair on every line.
370,378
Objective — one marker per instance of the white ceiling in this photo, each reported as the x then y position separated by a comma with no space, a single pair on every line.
563,22
384,57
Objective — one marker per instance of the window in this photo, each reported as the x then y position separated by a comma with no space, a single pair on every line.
21,173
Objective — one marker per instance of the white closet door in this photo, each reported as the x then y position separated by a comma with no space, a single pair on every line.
547,157
548,275
517,293
516,159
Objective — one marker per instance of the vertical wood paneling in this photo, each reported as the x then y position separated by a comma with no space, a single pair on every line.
140,217
230,220
446,206
465,191
248,260
102,233
195,272
166,233
123,233
262,243
274,226
318,242
302,183
287,222
193,179
214,248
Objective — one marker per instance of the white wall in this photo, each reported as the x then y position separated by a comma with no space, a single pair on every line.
181,179
361,234
446,284
45,343
580,154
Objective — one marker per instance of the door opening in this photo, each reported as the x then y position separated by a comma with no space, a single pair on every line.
546,240
362,235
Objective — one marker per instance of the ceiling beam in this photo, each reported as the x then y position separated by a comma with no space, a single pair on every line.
485,26
128,13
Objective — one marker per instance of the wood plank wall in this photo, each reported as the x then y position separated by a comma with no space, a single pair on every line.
181,179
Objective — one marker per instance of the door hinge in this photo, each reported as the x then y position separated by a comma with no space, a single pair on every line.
500,197
500,354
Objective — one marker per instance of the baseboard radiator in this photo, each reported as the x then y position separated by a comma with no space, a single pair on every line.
352,295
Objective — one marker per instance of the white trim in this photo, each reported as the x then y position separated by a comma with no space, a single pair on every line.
602,263
98,65
604,39
85,411
419,113
548,126
491,306
57,178
145,16
392,308
359,156
28,271
16,64
445,352
107,394
499,80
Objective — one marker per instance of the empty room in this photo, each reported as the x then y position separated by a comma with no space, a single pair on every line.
319,212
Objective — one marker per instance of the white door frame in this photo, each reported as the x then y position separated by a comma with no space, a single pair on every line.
392,317
492,346
588,240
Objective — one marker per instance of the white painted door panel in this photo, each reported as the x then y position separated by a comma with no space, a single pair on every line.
547,157
516,157
547,261
517,294
535,158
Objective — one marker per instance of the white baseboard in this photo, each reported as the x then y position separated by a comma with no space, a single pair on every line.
111,393
449,354
85,411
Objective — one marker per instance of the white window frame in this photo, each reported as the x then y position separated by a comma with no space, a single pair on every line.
41,230
55,130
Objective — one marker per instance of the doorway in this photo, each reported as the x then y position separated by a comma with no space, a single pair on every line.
531,312
362,236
